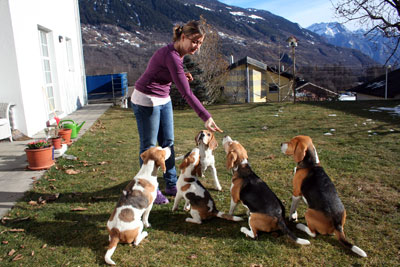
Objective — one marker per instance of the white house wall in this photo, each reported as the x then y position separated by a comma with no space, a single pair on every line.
21,20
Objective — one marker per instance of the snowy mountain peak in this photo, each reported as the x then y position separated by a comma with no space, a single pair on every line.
378,48
329,29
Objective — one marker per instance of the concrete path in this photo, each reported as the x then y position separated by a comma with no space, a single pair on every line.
15,179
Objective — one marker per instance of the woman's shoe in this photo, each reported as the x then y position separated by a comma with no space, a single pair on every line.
160,199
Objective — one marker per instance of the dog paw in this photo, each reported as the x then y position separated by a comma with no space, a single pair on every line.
305,229
247,232
147,225
186,208
191,220
293,216
219,188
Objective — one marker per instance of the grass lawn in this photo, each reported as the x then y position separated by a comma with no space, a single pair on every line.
361,156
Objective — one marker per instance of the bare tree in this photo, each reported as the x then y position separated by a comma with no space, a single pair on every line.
377,16
213,64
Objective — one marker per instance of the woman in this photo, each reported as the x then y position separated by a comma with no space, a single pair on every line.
151,102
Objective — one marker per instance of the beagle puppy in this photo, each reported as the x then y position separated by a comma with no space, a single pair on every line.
126,223
197,199
206,142
266,212
326,213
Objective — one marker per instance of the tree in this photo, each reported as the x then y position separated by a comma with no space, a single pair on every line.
196,85
212,63
377,16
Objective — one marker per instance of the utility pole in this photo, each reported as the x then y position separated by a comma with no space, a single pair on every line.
293,43
386,82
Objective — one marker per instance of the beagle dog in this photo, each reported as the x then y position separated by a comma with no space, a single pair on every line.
197,199
326,213
126,223
266,212
206,142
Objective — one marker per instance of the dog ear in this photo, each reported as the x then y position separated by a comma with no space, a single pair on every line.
213,143
300,151
231,157
145,156
159,159
186,162
196,139
197,170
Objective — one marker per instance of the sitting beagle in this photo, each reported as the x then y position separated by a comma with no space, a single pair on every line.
326,213
132,211
266,212
197,199
206,142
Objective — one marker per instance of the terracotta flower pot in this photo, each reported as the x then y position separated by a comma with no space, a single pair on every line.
66,135
40,158
57,142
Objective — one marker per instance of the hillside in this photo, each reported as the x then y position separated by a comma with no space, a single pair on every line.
121,35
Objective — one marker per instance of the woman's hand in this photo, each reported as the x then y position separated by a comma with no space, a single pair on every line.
210,125
189,76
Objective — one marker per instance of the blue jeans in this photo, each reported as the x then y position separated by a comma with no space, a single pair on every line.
156,124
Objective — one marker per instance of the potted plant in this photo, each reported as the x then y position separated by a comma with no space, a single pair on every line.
65,133
40,155
56,139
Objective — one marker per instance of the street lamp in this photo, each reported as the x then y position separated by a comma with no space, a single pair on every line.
386,82
293,43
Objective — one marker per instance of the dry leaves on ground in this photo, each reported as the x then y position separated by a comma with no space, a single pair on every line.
72,171
18,257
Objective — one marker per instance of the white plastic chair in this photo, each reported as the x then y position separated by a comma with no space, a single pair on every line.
5,127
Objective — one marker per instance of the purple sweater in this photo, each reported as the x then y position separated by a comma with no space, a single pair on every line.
164,67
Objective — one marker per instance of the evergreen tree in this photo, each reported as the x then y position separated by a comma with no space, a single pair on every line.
196,85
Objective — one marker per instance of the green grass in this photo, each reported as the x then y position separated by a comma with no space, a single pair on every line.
363,165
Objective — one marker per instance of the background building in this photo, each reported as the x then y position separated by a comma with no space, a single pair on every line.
250,80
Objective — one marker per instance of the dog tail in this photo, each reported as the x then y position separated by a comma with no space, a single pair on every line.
342,239
225,216
179,158
114,240
282,225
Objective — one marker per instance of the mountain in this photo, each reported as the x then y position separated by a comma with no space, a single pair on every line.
337,34
121,35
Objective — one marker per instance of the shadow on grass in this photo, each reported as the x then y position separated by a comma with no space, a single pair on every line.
217,228
69,230
87,229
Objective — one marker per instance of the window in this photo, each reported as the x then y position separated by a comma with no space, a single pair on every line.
273,88
47,69
70,56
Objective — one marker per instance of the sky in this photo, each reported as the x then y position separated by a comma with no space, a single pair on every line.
303,12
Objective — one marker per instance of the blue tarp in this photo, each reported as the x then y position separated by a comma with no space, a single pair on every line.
101,86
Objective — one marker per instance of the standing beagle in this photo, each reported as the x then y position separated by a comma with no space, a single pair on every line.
133,208
206,142
266,212
197,199
326,213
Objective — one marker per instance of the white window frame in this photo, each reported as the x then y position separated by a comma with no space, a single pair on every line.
70,55
46,63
